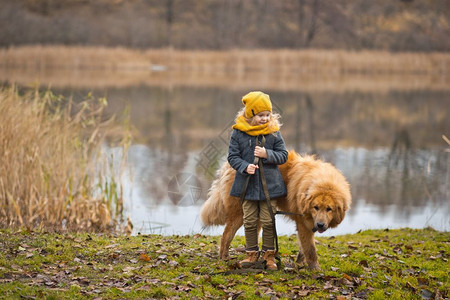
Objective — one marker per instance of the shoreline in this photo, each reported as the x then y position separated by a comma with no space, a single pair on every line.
278,70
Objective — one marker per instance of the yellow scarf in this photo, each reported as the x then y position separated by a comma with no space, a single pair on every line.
243,125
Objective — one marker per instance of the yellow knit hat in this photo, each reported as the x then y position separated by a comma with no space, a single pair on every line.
256,102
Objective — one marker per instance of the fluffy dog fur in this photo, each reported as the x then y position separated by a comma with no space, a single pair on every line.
316,190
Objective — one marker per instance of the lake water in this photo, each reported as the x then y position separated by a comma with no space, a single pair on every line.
384,197
388,143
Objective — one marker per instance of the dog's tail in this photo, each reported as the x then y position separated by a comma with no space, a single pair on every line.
213,210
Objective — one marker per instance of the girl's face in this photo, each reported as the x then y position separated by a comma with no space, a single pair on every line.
261,118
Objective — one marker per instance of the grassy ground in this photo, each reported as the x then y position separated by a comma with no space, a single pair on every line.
375,264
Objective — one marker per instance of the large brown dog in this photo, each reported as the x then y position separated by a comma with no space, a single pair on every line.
316,190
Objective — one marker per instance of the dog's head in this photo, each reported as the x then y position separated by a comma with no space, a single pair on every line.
318,190
326,209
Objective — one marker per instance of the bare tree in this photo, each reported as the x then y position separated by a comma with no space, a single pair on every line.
307,26
222,24
169,20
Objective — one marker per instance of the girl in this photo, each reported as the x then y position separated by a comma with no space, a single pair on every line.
252,121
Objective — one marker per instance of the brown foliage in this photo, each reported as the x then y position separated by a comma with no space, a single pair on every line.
48,174
191,24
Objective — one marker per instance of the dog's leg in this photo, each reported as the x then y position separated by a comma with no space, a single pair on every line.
300,255
228,234
306,239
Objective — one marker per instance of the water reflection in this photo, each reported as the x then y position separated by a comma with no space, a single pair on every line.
388,145
378,189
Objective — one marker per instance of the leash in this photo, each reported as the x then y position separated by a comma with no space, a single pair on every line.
266,192
269,206
279,212
255,162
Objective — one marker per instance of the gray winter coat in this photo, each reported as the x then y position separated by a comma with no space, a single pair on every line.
241,154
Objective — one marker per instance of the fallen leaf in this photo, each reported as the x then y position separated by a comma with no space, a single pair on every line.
303,293
173,263
346,277
364,263
128,269
144,257
381,258
83,281
154,281
398,250
114,256
345,292
426,294
50,283
240,249
181,276
328,285
422,281
410,287
289,269
362,294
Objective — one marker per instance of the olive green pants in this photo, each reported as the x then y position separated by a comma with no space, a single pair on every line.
255,211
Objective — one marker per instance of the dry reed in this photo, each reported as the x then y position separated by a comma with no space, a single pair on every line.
98,79
285,70
232,61
48,174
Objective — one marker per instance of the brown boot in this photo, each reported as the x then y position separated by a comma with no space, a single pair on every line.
250,258
269,256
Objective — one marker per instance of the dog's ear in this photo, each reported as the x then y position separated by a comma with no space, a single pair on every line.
305,202
338,216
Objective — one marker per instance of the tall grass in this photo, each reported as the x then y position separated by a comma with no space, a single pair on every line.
310,61
49,158
284,70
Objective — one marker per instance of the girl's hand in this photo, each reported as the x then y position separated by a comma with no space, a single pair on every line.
251,168
260,152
